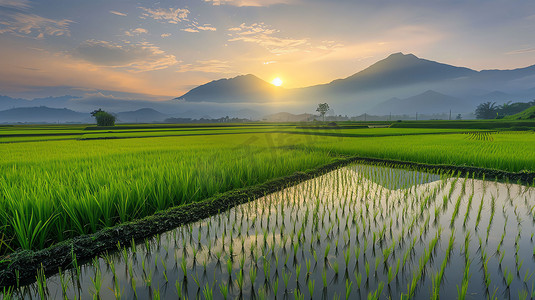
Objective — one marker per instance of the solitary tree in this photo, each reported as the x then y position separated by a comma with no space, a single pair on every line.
103,118
322,109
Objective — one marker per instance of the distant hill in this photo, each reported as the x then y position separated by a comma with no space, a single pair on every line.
244,88
42,114
143,115
528,114
426,103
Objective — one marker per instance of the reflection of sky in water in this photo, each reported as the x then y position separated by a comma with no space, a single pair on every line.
336,215
394,179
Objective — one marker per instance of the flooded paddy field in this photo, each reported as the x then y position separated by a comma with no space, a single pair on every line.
359,232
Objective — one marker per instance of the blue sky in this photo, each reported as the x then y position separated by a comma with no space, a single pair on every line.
162,49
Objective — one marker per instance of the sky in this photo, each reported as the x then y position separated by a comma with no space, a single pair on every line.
160,50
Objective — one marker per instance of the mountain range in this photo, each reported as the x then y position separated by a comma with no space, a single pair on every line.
409,83
399,84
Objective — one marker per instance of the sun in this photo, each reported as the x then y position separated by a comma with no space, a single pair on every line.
277,81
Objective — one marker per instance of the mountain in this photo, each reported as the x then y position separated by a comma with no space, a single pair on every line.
42,114
397,76
428,102
244,88
143,115
399,69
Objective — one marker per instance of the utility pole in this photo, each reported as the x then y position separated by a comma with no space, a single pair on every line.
450,114
416,116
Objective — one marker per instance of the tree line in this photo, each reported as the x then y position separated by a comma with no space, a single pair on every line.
489,110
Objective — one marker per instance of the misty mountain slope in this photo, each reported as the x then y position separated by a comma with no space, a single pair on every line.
143,115
7,102
244,88
399,69
428,102
42,114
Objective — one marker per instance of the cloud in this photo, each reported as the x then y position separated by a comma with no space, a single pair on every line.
18,4
207,66
118,13
195,27
521,51
261,34
206,27
31,24
139,57
171,15
136,31
164,35
190,30
249,2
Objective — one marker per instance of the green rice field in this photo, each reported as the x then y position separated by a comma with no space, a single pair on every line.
362,231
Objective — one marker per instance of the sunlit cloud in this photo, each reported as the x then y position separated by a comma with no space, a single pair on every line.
138,57
18,4
171,15
263,35
207,66
136,31
196,27
34,25
249,2
192,30
164,35
118,13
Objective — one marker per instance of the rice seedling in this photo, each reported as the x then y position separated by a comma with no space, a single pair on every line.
223,289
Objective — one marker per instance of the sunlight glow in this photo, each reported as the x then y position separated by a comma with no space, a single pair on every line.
277,81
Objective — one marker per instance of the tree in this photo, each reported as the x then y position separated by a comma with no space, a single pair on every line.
459,117
486,110
322,109
103,118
